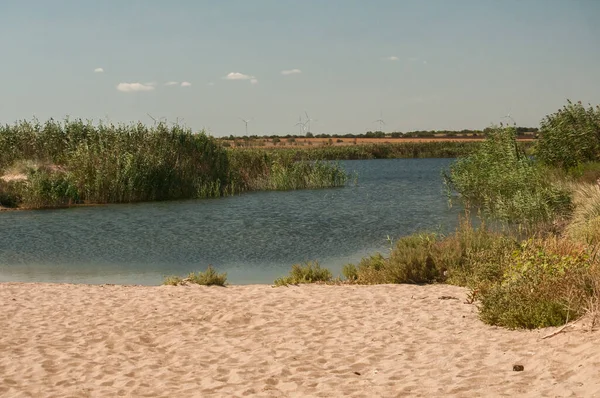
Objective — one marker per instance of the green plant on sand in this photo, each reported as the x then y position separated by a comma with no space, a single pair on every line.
209,277
309,272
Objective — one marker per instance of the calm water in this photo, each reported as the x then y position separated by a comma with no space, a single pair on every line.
253,237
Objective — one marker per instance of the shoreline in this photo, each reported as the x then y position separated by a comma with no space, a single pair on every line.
247,340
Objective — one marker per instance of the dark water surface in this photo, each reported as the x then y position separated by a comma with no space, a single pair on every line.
254,237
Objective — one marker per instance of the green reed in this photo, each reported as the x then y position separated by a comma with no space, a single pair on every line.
78,162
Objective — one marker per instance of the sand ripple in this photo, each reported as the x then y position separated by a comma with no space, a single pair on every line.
321,341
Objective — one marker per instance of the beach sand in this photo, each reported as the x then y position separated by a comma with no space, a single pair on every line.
310,341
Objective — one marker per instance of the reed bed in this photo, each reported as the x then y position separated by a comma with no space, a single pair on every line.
442,149
72,162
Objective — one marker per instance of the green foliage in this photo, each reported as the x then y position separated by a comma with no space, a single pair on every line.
468,257
257,169
48,189
129,163
310,272
588,172
410,261
442,149
350,272
570,136
173,281
506,184
210,277
545,283
9,194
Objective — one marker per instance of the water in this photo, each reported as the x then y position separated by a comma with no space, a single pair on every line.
254,237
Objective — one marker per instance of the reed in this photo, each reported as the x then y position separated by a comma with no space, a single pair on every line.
442,149
87,163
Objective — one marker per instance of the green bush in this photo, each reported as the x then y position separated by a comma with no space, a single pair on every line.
210,277
506,184
310,272
350,272
570,136
545,283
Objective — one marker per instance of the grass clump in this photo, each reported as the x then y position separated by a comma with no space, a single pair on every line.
210,277
309,272
409,262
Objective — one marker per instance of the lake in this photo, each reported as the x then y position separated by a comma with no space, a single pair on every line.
254,237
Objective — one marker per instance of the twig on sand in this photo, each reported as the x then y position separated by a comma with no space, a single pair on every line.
559,330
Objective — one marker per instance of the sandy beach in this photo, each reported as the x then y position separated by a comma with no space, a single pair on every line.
61,340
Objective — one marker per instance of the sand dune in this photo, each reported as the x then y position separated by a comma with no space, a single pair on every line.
309,341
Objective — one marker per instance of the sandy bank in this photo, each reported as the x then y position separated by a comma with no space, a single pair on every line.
191,341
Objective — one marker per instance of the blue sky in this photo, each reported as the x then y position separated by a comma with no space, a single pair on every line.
422,64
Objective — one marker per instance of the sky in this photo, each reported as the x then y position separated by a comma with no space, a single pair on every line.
418,64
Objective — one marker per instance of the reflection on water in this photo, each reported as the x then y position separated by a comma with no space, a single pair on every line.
254,237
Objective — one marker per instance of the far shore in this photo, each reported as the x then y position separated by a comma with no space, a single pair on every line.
257,340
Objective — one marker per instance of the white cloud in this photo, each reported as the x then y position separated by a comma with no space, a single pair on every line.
131,87
392,58
99,70
254,81
238,76
186,84
211,84
173,83
291,72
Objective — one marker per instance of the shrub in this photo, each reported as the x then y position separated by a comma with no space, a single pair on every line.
545,283
506,184
209,277
173,280
570,136
310,272
411,261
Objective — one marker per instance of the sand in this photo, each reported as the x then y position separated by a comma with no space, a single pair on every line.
311,341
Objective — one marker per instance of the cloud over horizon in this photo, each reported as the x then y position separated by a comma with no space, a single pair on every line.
392,58
99,70
291,72
172,83
186,84
238,76
133,87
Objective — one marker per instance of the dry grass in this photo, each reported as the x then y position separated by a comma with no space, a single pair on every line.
585,222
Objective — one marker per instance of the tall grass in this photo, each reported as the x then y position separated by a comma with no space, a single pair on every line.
131,163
